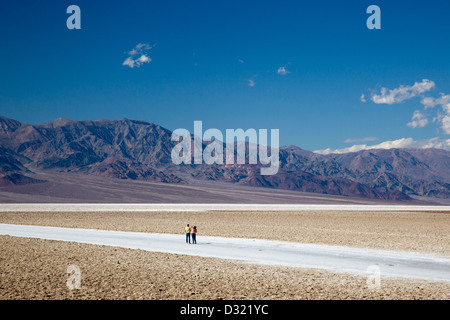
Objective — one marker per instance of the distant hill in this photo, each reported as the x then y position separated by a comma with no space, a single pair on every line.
137,150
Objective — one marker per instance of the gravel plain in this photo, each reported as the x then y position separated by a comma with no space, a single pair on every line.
37,269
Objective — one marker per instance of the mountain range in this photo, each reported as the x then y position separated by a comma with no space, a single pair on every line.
137,150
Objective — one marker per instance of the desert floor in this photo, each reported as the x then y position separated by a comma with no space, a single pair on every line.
37,269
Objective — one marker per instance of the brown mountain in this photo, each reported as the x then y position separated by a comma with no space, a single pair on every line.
420,172
138,150
423,172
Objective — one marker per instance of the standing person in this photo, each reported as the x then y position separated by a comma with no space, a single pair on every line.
194,234
188,234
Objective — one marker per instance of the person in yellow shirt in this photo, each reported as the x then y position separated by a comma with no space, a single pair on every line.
188,234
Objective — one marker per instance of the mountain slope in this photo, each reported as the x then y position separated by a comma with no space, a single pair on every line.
138,150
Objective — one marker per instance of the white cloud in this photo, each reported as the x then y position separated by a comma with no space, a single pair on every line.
139,49
136,62
144,59
399,143
360,140
240,61
444,102
128,62
138,56
283,71
418,120
402,93
363,98
445,124
251,82
430,102
446,108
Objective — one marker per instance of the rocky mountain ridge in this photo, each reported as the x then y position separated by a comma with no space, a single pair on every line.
138,150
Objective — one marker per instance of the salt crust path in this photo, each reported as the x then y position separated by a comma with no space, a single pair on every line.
332,258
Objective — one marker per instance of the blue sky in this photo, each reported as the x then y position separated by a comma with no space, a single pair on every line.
222,62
